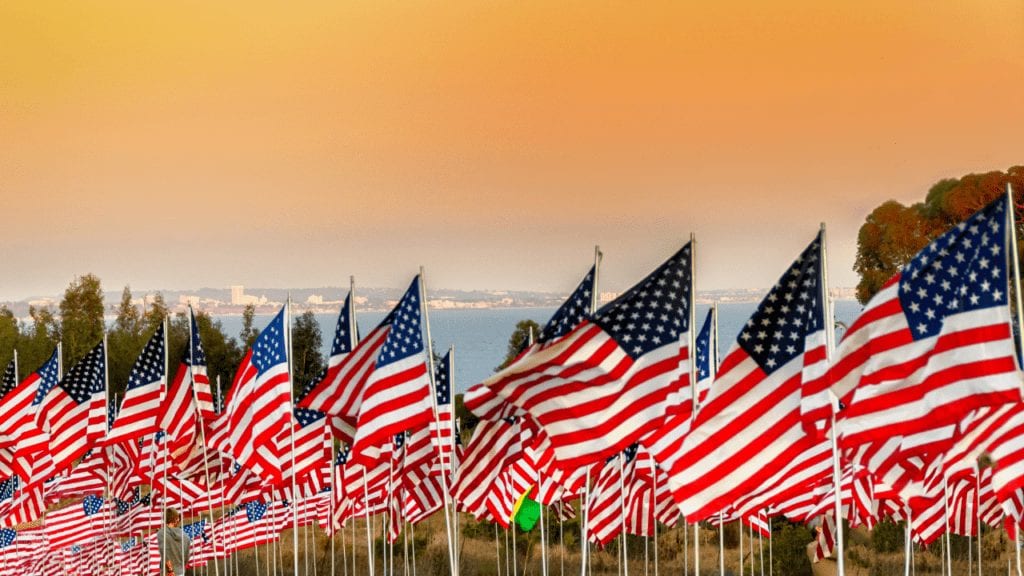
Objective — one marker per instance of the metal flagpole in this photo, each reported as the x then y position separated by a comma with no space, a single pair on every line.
330,514
451,458
202,427
830,344
977,509
515,552
585,499
739,529
497,551
691,336
908,547
686,547
437,428
369,528
945,503
771,564
412,532
561,539
760,550
721,544
543,538
291,433
622,510
654,509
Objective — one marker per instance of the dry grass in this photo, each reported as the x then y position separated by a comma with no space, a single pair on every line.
478,555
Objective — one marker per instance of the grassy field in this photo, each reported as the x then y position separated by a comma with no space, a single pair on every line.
423,551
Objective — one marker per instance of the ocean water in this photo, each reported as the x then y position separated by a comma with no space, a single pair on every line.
480,337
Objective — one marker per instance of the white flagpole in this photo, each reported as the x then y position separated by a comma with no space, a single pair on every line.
344,545
456,536
202,428
739,529
908,547
515,551
760,549
369,528
654,509
584,526
771,563
412,534
1012,233
291,433
721,544
691,336
622,510
497,551
437,423
686,547
543,539
977,510
826,302
945,506
561,539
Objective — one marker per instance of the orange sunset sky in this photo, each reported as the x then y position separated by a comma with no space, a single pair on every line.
289,144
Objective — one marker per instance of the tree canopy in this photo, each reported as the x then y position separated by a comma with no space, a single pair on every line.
893,233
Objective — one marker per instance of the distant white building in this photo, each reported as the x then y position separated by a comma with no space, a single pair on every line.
237,294
315,299
187,300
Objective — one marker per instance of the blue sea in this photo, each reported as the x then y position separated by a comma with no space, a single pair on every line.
480,336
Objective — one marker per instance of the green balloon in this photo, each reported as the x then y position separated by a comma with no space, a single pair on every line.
528,514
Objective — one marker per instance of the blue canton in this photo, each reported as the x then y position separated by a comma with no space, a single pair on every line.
573,311
305,416
342,457
92,504
255,510
128,544
47,378
197,356
443,380
653,313
776,332
195,530
404,338
8,487
704,348
86,377
960,271
112,411
269,350
149,366
342,343
10,379
7,536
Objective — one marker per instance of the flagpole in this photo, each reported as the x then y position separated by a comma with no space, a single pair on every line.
369,528
437,428
543,539
826,302
739,529
622,510
202,426
451,454
654,509
907,550
692,348
977,510
1012,233
585,500
330,509
291,431
771,563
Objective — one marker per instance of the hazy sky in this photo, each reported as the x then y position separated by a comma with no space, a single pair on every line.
186,144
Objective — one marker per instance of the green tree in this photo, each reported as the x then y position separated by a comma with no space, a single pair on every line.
9,336
307,362
125,340
81,317
894,233
222,352
249,331
525,330
37,340
155,314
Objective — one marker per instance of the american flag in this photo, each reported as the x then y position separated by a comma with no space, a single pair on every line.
74,411
615,377
933,344
179,417
748,437
707,356
311,452
425,444
20,430
825,542
196,361
77,523
397,394
607,502
339,392
488,404
493,445
7,536
140,407
259,403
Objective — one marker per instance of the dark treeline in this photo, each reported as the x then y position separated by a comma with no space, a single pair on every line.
78,324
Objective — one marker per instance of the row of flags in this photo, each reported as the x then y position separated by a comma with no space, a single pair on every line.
624,408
